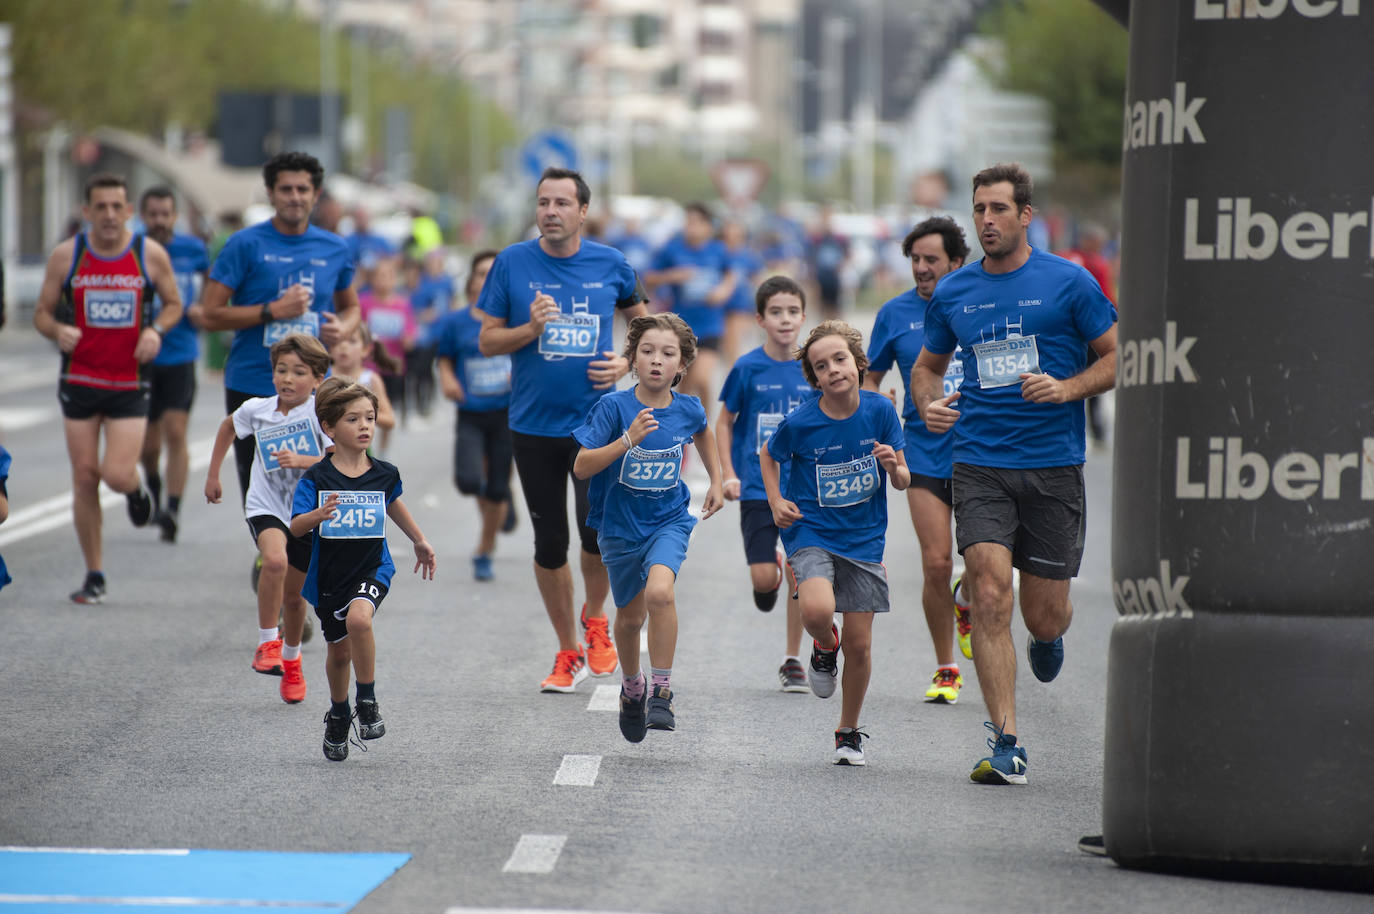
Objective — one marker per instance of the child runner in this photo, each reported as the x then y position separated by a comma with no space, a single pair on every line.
289,441
388,314
348,497
351,355
632,443
482,444
833,513
763,386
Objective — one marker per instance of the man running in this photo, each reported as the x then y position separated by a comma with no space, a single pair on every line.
1025,320
285,276
96,303
173,373
550,303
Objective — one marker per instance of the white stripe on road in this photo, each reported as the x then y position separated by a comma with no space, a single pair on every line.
535,854
578,771
526,911
54,512
605,698
163,901
154,851
25,380
15,418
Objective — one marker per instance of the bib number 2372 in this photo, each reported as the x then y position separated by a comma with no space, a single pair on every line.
651,471
840,485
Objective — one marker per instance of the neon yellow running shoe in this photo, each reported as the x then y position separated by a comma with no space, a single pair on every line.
944,686
963,622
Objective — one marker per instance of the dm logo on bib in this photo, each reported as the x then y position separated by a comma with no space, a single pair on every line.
111,309
357,516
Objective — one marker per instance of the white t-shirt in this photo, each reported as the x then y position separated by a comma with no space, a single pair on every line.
272,487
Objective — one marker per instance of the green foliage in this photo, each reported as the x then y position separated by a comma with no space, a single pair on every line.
145,64
1073,55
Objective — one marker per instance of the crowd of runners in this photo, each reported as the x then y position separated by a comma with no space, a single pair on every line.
334,339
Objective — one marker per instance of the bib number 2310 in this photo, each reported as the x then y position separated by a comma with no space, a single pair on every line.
571,336
840,485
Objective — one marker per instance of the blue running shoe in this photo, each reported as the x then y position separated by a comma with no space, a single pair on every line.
1046,658
481,568
632,722
1006,765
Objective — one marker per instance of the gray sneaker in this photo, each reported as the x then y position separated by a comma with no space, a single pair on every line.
825,666
793,676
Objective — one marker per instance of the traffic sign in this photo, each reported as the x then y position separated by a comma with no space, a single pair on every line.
548,149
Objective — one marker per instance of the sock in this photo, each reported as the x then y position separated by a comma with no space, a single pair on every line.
340,708
661,677
845,730
949,666
95,577
290,653
634,687
154,487
765,599
267,634
367,691
791,657
173,504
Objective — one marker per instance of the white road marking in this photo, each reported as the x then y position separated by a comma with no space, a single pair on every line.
24,380
535,854
164,901
15,418
50,513
578,771
153,851
430,500
605,698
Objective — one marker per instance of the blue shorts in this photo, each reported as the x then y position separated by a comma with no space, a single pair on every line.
628,561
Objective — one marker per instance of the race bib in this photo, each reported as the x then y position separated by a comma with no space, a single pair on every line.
651,471
308,323
386,324
840,485
571,336
954,374
765,427
357,516
296,437
1002,362
487,377
111,309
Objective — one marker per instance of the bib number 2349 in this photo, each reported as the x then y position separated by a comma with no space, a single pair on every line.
840,485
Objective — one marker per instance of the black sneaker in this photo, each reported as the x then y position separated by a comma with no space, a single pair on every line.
335,737
632,724
1093,844
370,725
168,522
92,590
140,506
660,711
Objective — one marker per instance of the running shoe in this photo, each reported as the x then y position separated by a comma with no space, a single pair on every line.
766,600
632,716
660,709
256,572
1093,844
1046,658
140,506
944,686
512,518
601,656
267,658
168,522
848,747
92,590
962,621
335,737
1006,765
825,667
793,676
569,668
369,715
481,568
292,681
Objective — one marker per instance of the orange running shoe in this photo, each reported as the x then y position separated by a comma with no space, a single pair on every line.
267,658
963,621
601,656
292,681
569,668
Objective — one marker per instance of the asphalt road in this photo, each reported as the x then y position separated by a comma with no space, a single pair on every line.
138,724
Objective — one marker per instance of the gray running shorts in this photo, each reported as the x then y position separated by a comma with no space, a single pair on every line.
860,587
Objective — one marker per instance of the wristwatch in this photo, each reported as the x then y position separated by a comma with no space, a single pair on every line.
156,329
266,315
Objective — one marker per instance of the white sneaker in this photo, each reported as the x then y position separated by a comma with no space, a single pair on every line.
848,747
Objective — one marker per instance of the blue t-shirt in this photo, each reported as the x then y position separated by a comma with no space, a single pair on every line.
4,488
760,392
432,292
835,481
898,335
259,264
190,260
485,379
747,264
364,249
1038,318
711,262
643,489
637,250
550,390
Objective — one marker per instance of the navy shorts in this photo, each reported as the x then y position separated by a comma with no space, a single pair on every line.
333,610
173,387
298,548
759,531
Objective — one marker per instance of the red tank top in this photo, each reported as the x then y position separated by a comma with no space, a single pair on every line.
110,300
